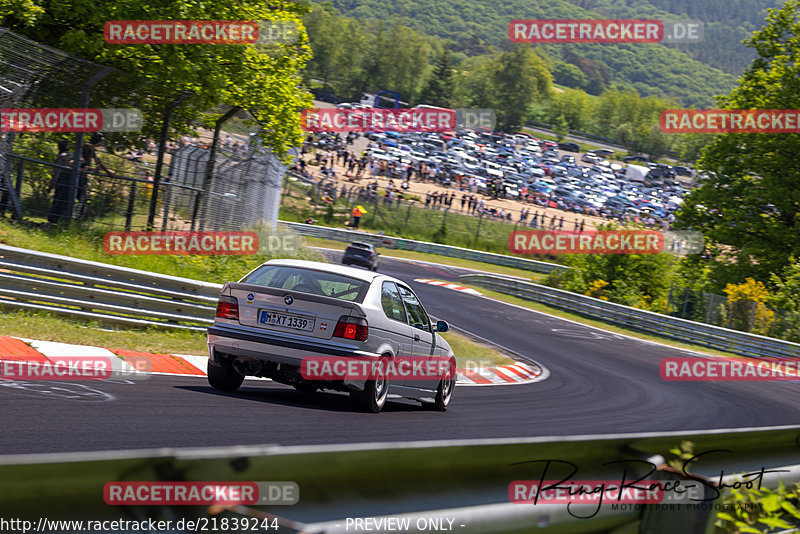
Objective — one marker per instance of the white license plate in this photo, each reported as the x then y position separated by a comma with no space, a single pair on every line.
296,322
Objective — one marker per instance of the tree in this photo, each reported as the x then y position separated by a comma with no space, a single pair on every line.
690,146
520,79
560,128
261,79
750,204
786,298
339,45
440,88
474,81
574,105
397,60
570,75
640,280
748,308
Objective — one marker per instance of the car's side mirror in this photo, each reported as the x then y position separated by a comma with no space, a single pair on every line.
442,326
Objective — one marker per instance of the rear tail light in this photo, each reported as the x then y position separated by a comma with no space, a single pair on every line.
351,328
228,308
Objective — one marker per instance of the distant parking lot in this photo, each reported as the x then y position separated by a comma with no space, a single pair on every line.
496,167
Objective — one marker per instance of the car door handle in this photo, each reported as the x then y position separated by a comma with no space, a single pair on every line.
416,337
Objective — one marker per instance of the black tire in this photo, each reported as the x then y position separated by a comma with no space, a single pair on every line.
305,388
444,394
224,377
373,398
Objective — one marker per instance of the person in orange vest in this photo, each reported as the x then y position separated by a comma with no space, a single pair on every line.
357,212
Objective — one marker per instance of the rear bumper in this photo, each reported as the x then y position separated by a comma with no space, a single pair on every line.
357,260
279,348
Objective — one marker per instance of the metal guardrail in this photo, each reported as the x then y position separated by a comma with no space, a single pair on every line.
346,236
715,337
107,293
35,280
584,136
466,481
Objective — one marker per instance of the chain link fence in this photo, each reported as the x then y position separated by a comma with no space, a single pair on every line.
743,315
55,178
245,187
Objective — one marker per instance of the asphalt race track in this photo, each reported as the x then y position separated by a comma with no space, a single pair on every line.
599,383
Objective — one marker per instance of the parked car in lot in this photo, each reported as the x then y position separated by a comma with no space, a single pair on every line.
362,254
285,311
569,146
604,152
590,157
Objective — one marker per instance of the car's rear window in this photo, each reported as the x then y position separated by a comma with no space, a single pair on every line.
308,281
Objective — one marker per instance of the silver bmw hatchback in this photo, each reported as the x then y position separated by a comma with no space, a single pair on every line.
317,326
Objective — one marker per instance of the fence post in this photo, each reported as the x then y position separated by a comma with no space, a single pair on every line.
131,199
408,213
669,299
162,147
478,231
202,196
374,211
10,191
77,154
167,200
685,303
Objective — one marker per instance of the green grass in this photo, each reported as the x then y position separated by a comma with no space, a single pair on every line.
471,354
445,260
86,242
49,327
556,312
418,223
45,326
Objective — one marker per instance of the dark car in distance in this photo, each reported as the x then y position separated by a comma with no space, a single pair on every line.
362,254
569,146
